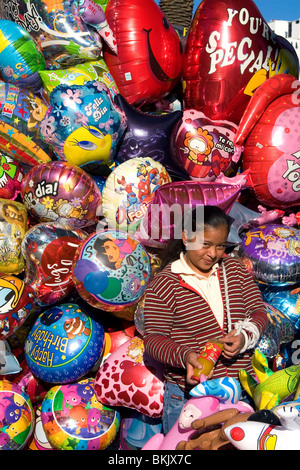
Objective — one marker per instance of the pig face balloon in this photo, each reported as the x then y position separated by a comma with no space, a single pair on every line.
270,134
230,52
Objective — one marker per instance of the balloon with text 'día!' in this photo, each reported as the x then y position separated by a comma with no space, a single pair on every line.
230,52
49,251
62,193
21,113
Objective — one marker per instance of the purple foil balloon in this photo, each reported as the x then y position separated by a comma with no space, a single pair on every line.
171,200
271,253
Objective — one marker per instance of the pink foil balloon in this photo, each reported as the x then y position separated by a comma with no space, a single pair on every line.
62,193
171,200
11,175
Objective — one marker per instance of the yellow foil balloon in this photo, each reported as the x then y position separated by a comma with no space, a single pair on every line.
13,225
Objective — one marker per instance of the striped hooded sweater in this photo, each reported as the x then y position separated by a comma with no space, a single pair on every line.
177,319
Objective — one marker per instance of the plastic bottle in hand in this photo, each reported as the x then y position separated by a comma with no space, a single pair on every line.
208,357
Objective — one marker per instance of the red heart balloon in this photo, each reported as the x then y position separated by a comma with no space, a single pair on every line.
150,56
269,131
230,52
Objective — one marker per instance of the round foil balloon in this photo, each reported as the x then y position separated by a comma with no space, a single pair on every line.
16,301
111,270
16,416
39,440
204,148
49,251
271,253
62,193
56,26
20,58
11,175
82,124
73,418
284,298
21,113
230,52
64,344
13,225
128,191
280,330
269,135
148,64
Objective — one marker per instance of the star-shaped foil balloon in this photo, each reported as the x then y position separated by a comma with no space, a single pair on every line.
149,136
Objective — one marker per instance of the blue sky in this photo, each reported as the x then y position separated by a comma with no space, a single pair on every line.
274,9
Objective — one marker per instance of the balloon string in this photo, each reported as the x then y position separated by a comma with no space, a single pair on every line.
227,299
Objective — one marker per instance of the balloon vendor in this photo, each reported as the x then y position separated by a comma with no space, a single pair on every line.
200,293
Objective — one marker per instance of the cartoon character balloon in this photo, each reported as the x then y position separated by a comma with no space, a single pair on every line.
13,225
129,190
16,302
56,26
16,416
73,418
204,148
111,270
64,344
149,60
21,113
268,131
231,51
11,175
82,124
20,58
62,193
271,254
49,251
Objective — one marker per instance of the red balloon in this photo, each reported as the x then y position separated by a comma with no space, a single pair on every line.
150,56
203,147
230,52
269,131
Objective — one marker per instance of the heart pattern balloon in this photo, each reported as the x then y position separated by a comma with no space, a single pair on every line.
131,378
230,52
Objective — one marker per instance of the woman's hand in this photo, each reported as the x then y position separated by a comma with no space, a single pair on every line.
233,344
191,363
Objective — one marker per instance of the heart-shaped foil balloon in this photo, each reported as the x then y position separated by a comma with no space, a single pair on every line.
230,52
49,250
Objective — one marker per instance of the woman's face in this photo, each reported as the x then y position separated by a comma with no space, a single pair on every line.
206,248
111,250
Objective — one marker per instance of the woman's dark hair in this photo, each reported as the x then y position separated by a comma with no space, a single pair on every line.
193,220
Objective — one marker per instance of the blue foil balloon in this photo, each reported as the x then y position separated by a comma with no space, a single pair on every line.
64,344
286,299
82,124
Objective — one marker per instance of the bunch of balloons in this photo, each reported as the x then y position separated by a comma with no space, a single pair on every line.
112,125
